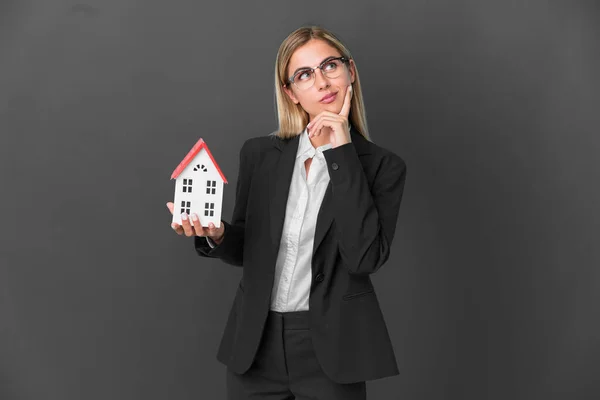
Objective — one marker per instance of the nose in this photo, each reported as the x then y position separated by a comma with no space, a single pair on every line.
321,80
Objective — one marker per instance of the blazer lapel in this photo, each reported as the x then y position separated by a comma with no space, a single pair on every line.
324,218
280,179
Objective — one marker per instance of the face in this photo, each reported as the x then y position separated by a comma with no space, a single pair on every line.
310,55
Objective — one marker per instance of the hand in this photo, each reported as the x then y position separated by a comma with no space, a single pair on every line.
337,124
216,234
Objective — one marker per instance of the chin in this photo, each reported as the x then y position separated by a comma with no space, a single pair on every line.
332,107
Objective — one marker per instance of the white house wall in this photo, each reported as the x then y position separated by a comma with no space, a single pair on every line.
198,197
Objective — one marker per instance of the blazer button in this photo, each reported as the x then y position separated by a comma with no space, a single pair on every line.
334,166
319,277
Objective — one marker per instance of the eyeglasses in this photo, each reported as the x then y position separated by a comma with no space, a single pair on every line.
305,78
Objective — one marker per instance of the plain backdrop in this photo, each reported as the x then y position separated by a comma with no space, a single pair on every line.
492,287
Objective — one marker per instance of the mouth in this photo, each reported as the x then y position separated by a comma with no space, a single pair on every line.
328,98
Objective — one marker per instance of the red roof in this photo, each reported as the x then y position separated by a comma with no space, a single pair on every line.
200,144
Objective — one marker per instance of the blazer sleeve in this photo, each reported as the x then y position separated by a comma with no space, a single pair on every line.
231,248
365,218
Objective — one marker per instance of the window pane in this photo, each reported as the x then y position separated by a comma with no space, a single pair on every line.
205,205
207,191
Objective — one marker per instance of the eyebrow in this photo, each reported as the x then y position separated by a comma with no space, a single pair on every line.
301,68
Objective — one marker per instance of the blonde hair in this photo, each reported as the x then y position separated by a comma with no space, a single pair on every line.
292,118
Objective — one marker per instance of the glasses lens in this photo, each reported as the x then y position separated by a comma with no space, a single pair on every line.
332,68
304,79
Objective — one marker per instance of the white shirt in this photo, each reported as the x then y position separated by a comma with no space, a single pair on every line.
293,274
293,270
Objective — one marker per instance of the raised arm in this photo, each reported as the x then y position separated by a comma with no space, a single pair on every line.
365,219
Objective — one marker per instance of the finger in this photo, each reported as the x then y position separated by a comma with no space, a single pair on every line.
317,118
170,206
215,233
177,228
316,124
212,231
312,123
316,130
347,102
197,228
187,227
335,124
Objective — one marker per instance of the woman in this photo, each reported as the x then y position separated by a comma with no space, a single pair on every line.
315,214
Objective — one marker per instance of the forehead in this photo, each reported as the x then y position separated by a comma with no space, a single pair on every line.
311,54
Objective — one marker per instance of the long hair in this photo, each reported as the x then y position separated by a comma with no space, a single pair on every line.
292,119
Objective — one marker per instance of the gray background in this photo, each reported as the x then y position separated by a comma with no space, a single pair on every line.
491,290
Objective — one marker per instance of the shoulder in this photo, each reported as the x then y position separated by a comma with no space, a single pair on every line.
391,159
260,143
257,148
390,171
384,158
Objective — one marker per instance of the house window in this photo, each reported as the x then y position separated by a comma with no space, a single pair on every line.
202,167
187,186
209,209
185,207
211,187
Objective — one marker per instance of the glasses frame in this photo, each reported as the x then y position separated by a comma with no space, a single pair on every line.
343,59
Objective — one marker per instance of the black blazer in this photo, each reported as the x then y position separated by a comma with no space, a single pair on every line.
354,231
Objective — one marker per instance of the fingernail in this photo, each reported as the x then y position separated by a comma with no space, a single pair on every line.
173,226
195,217
184,216
211,225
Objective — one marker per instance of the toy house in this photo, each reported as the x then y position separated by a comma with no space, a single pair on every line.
198,186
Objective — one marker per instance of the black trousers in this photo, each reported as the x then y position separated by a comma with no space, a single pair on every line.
286,367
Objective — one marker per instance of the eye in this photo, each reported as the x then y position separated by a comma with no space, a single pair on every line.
331,65
303,75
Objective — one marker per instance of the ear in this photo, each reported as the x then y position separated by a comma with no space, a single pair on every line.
290,94
352,71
